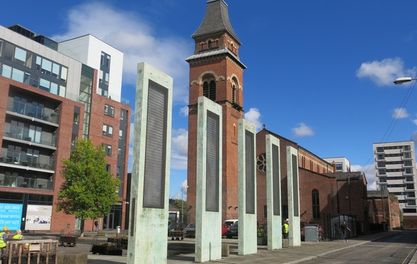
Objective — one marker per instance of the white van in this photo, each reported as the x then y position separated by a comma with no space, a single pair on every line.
230,222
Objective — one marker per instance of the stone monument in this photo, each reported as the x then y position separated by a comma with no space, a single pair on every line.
273,192
208,241
294,235
151,166
247,226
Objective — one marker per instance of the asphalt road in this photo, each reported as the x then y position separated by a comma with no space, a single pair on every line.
398,248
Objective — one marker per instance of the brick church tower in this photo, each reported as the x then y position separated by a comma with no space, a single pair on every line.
217,73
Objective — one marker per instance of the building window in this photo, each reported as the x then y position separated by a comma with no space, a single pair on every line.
382,171
109,110
209,87
339,166
316,204
107,149
20,54
107,130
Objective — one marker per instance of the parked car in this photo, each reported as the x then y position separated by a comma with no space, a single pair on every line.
225,229
189,230
230,222
233,230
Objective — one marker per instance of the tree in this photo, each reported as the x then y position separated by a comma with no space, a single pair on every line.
89,190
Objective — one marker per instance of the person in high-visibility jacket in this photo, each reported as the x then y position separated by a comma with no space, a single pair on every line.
3,236
285,229
18,235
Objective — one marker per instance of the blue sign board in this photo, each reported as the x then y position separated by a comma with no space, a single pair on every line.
11,215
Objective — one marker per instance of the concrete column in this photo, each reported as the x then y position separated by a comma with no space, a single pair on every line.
273,192
149,201
208,239
247,188
293,197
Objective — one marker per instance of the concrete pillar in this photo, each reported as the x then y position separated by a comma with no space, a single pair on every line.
273,192
293,197
149,201
247,188
208,241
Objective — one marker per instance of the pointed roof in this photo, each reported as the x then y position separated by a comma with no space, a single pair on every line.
216,20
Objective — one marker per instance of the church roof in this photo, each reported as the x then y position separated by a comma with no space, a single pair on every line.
216,20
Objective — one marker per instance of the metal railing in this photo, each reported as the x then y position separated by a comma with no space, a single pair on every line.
27,161
21,136
30,110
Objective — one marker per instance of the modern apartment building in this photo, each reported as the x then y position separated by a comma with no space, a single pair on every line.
395,164
52,93
341,164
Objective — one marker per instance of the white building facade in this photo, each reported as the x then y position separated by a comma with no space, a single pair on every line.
395,165
341,164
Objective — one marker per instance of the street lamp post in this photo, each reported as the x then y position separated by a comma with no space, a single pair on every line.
406,79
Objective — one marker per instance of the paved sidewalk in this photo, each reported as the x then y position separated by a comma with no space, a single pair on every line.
307,251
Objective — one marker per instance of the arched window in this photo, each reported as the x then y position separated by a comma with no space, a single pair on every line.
234,91
210,44
316,204
209,87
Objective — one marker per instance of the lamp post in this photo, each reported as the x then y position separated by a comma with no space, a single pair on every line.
404,79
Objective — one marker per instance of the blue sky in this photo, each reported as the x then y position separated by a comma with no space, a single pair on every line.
319,72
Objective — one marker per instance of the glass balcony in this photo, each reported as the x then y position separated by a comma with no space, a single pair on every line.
36,182
27,161
49,140
33,110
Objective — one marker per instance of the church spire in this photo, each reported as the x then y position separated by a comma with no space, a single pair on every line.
216,20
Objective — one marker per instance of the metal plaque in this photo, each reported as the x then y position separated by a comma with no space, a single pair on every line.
295,184
155,147
250,175
212,163
276,180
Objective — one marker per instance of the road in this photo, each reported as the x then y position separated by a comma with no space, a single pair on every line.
398,248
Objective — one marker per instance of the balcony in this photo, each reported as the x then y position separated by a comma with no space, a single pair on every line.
29,110
394,174
396,181
28,163
393,166
392,151
42,142
390,159
25,182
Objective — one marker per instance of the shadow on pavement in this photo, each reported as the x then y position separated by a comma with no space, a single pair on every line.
100,261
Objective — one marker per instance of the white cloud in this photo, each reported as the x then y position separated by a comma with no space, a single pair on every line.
400,113
184,111
370,174
136,38
254,116
384,72
179,149
303,130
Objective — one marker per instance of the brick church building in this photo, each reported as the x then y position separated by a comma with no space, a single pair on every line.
216,72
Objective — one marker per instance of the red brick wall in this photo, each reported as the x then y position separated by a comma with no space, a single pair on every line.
352,198
60,221
98,118
410,222
325,185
